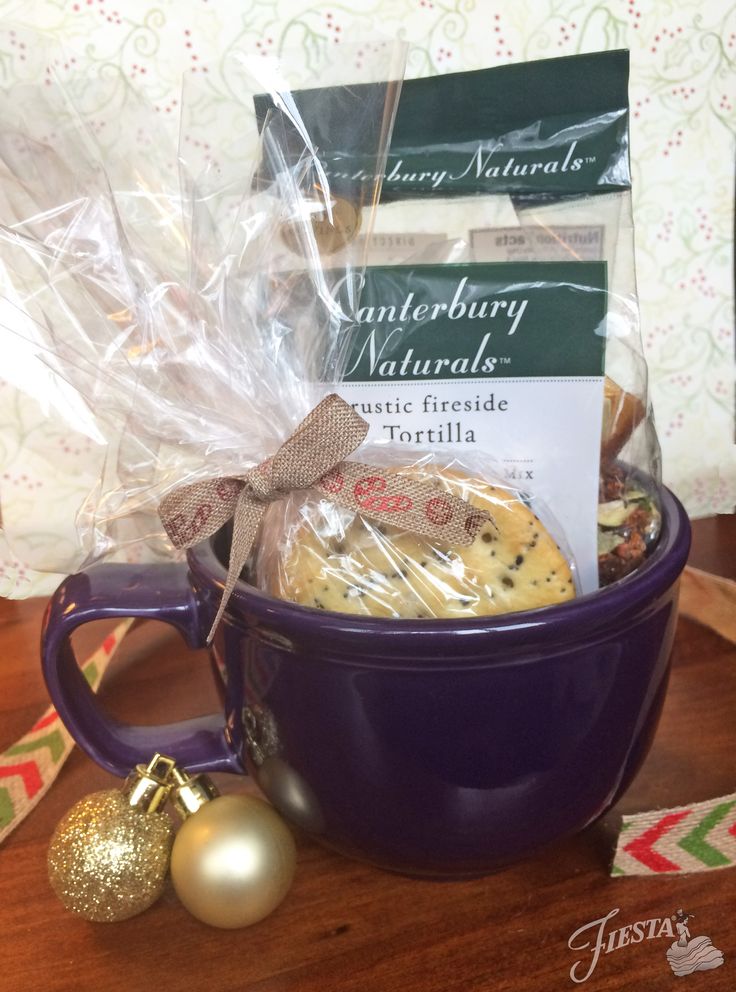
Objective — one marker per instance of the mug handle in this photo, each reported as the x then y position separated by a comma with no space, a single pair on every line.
156,592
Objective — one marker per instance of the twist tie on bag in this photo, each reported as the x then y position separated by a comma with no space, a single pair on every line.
312,458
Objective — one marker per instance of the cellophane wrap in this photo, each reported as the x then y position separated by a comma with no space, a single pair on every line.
171,303
187,307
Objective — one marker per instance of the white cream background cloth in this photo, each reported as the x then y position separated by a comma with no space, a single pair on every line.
683,94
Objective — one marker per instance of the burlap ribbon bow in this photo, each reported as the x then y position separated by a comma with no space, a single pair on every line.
312,458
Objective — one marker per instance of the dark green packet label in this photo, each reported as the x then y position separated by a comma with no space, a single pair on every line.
470,321
553,127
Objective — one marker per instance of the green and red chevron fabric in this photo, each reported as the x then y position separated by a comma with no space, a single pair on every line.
29,767
699,837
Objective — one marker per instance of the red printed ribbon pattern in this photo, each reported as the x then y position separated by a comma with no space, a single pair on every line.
313,457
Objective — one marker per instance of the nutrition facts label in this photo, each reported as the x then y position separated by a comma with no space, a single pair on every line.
561,242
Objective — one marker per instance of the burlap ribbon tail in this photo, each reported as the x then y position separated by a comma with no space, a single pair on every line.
313,458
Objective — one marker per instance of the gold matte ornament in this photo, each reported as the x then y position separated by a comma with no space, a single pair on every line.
109,855
233,859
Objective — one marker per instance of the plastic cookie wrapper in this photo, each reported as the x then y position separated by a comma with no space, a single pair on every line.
320,555
172,305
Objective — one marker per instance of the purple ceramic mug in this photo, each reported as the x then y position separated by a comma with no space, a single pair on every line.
434,747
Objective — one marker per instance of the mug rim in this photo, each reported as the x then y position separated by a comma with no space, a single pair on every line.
564,621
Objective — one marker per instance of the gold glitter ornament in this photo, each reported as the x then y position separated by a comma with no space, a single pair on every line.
233,859
109,855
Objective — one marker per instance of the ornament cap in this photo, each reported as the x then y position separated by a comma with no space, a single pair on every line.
191,792
148,786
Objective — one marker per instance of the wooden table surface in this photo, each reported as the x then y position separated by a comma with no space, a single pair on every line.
352,928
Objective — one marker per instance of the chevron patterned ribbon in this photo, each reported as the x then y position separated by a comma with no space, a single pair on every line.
701,836
29,768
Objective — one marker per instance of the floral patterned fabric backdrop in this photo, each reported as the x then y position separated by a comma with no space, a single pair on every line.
683,123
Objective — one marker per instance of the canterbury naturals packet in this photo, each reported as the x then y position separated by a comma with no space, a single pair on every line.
499,296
